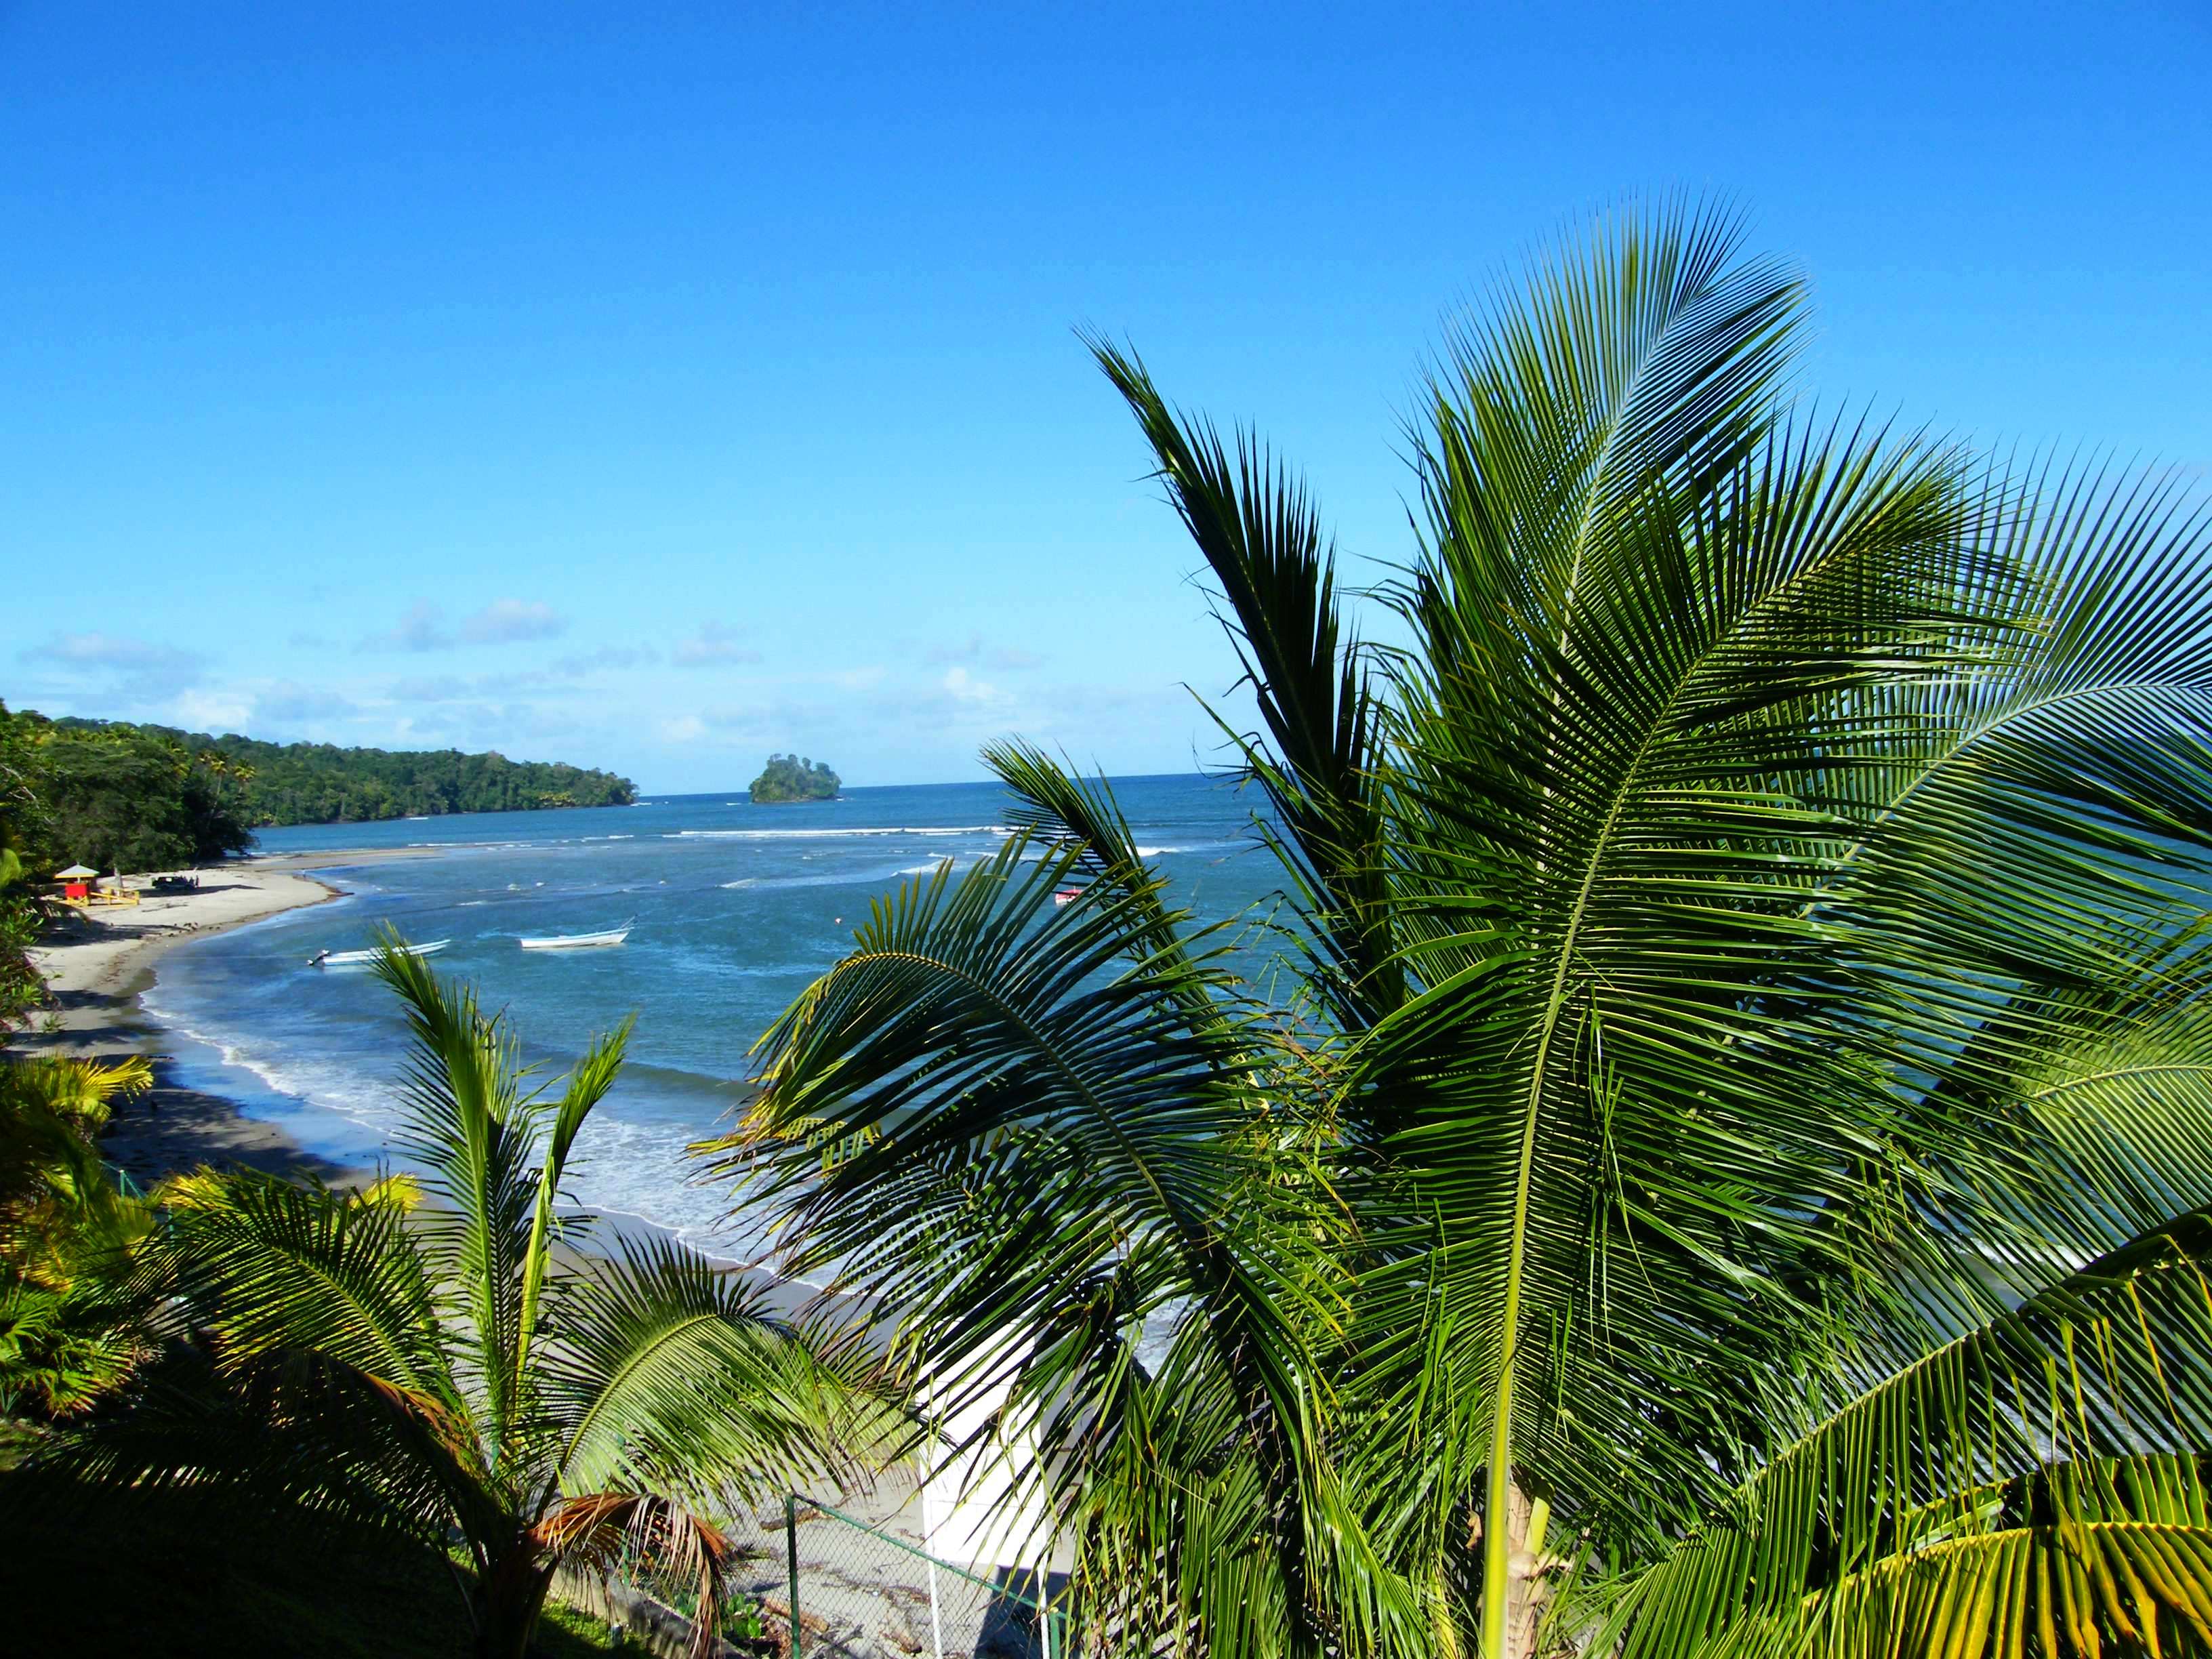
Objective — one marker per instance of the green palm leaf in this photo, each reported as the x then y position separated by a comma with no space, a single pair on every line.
474,1128
286,1267
1031,1129
665,1376
1277,573
2017,1479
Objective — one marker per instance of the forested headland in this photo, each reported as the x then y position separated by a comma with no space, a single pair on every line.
793,777
117,795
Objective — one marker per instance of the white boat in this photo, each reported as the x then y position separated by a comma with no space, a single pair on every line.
580,941
355,958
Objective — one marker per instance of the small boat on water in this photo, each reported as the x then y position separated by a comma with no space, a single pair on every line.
355,958
580,941
1067,896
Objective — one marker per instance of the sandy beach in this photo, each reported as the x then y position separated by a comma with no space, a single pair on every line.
95,972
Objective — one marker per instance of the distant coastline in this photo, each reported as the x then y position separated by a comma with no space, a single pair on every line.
441,813
252,784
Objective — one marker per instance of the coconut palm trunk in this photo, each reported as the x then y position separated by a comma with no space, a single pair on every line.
508,1598
1720,1176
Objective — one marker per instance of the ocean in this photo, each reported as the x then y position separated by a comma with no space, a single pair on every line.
737,908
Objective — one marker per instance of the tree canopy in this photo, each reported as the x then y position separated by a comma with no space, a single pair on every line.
791,777
122,797
117,795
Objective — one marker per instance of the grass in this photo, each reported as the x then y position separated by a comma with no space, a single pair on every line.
97,1572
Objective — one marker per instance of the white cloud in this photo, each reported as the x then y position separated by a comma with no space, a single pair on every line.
504,621
688,729
607,656
418,629
444,687
714,644
136,677
963,687
214,712
976,649
113,651
289,700
968,650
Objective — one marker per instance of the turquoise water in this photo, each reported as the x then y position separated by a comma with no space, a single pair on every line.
737,908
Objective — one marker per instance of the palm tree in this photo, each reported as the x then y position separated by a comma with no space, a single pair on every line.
1729,1172
430,1357
69,1332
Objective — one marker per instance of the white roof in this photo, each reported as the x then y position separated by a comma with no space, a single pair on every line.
75,872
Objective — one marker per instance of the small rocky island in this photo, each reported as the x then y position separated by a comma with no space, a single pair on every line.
788,778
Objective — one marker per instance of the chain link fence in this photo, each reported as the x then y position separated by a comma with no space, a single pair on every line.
821,1584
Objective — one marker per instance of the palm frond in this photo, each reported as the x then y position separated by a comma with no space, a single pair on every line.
664,1375
281,1268
1614,1090
473,1127
661,1541
292,1427
1011,1122
61,1216
82,1091
63,1348
1260,537
1069,814
2019,1478
587,1085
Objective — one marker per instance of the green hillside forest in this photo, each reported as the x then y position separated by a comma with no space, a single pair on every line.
117,795
789,777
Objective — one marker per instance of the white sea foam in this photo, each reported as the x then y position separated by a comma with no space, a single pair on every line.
625,1165
365,1100
825,834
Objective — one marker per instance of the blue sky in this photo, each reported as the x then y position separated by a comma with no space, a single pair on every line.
656,387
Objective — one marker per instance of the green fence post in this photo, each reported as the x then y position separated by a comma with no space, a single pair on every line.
791,1566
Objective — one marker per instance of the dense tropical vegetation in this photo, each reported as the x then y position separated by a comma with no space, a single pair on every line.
21,819
125,1572
1719,1163
791,777
119,797
141,797
318,783
70,1331
445,1368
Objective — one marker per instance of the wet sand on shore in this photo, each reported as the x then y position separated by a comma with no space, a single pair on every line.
95,971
